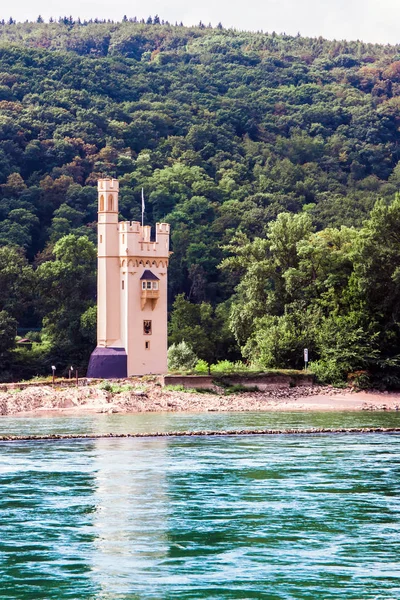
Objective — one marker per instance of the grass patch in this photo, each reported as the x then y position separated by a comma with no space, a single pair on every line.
38,379
182,388
237,388
117,388
150,378
179,388
225,368
14,390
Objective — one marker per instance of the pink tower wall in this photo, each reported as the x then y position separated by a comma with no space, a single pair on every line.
124,253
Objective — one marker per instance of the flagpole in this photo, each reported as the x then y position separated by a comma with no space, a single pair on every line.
142,207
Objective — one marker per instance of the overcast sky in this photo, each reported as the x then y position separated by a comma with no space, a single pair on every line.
368,20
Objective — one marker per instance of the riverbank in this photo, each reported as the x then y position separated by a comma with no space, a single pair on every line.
136,396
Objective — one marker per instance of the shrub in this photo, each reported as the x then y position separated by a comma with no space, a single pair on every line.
238,388
34,336
226,366
181,357
360,380
345,346
117,388
179,388
106,386
201,366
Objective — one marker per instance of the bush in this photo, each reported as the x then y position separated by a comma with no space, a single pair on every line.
328,371
238,388
34,336
116,388
181,357
360,380
201,366
345,346
226,366
278,342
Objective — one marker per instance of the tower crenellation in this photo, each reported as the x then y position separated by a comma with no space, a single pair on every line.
135,240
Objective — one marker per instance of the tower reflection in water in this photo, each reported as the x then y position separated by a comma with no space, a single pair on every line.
130,515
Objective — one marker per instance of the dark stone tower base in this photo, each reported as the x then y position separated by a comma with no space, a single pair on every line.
108,363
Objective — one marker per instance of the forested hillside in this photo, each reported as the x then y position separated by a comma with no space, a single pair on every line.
224,130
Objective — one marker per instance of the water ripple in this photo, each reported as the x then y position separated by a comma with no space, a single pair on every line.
190,518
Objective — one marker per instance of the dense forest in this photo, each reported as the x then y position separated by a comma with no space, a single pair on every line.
275,159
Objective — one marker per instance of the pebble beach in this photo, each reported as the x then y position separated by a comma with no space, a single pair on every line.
40,400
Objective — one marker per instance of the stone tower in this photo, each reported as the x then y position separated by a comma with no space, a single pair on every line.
131,293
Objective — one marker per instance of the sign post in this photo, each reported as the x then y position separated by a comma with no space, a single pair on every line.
305,358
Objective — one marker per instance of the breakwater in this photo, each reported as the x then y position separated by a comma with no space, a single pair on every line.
205,433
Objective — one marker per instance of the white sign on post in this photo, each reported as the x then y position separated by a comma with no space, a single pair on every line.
306,356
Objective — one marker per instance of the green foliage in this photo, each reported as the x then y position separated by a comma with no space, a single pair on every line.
360,380
278,341
16,281
336,295
8,326
263,264
116,388
202,327
344,345
201,367
88,325
238,388
182,388
266,153
179,388
181,357
226,366
65,289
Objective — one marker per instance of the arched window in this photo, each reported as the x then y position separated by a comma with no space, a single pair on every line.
110,203
101,203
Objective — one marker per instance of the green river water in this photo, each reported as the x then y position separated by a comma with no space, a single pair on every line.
280,517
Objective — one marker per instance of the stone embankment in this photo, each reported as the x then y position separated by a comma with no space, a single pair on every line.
136,395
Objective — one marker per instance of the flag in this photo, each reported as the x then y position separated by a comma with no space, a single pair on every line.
143,206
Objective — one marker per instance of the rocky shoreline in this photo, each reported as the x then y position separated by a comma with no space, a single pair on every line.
135,397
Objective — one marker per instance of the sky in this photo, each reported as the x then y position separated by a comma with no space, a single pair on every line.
367,20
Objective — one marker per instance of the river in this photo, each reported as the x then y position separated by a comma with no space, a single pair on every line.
281,517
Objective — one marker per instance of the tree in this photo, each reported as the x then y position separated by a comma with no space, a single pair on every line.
201,327
345,344
262,264
16,282
88,325
8,330
65,291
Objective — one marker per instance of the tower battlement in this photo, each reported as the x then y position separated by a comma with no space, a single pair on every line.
135,240
108,184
